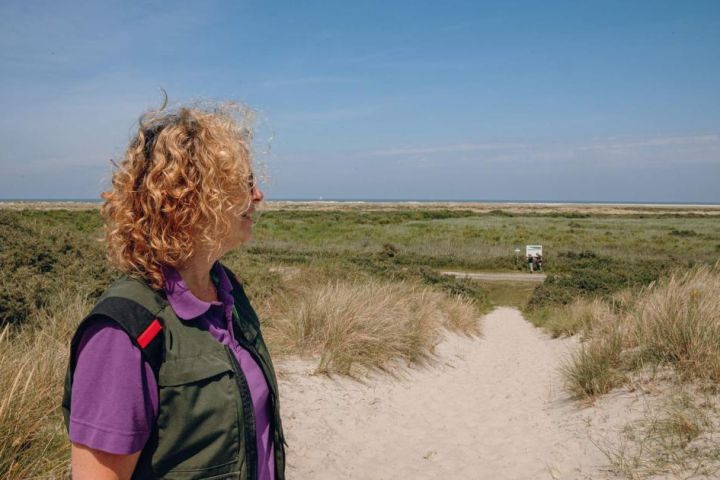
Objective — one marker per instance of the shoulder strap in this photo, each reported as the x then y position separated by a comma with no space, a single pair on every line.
139,320
135,306
142,325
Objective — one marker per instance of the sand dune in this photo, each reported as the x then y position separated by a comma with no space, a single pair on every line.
488,408
521,208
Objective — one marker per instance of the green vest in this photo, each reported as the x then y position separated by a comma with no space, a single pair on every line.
205,427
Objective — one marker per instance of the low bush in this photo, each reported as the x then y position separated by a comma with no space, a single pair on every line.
683,233
40,257
588,275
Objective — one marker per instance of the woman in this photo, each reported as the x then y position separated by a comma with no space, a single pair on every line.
169,376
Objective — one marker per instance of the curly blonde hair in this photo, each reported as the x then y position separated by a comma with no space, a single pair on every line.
183,174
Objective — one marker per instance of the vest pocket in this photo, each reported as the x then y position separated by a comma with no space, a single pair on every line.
198,422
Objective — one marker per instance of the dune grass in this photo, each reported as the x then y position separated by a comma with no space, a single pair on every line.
678,438
668,332
585,255
674,322
33,440
366,324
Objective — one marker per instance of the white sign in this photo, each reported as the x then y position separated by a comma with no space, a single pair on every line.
533,250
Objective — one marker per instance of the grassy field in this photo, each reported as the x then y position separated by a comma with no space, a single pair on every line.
465,239
358,288
584,254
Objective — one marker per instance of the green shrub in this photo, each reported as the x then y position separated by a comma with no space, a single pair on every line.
587,274
42,254
684,233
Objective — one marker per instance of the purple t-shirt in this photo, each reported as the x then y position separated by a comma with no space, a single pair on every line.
114,391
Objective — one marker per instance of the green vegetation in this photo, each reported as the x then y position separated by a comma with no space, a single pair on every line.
359,289
42,253
585,256
508,294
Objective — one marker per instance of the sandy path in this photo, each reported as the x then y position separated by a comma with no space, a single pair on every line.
499,277
489,408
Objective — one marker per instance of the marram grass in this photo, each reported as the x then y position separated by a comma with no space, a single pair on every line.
33,440
368,323
674,322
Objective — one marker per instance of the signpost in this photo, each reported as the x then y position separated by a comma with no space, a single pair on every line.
533,250
533,253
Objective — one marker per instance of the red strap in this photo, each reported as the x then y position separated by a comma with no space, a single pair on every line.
149,334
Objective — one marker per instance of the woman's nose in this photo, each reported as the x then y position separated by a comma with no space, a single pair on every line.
257,194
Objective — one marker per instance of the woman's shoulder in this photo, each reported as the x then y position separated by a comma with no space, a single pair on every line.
102,339
126,313
104,331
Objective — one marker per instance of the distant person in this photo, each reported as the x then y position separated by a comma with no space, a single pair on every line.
169,376
530,262
539,262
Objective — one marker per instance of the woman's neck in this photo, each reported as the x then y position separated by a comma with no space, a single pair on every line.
196,275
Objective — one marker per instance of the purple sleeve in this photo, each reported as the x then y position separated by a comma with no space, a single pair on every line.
114,392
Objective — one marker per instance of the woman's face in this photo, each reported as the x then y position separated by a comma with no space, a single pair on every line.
242,221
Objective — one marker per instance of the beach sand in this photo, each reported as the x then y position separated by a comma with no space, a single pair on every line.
484,408
518,208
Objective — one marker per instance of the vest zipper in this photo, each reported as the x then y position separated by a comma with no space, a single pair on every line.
263,367
243,342
251,454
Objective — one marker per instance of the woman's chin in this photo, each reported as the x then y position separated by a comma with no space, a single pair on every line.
243,239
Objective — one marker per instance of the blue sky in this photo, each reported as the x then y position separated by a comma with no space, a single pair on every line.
589,101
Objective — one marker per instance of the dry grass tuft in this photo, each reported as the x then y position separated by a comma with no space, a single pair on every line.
367,323
592,369
33,441
583,315
675,323
678,439
459,314
678,322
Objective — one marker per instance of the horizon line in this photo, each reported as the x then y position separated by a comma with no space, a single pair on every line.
408,200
